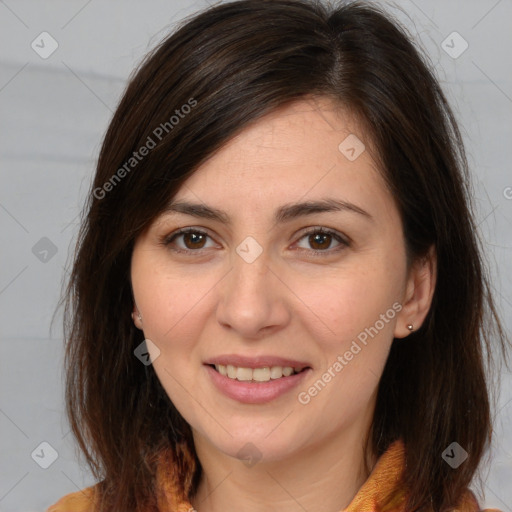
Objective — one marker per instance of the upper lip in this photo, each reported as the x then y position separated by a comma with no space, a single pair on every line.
256,361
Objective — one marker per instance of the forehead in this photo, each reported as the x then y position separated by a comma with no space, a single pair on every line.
297,132
308,149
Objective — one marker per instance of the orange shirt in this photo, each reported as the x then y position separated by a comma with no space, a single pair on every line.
384,477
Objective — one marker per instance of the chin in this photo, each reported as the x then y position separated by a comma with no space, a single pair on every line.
253,445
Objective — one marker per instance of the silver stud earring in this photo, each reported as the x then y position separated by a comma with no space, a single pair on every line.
138,314
410,327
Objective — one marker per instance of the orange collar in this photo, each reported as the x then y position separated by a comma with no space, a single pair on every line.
384,478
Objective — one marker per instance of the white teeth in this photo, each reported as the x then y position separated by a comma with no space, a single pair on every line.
243,374
255,374
261,374
287,371
231,370
276,372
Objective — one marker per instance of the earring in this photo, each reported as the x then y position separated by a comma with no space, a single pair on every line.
410,327
138,314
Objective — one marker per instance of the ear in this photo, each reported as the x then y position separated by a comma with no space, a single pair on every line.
136,317
419,290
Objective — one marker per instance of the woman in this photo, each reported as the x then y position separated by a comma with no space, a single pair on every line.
278,300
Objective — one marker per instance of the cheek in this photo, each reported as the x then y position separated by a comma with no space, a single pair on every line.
171,304
357,307
354,337
168,311
167,298
347,302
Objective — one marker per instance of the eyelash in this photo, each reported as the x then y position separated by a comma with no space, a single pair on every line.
169,239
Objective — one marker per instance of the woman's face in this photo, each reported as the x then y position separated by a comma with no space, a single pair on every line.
256,286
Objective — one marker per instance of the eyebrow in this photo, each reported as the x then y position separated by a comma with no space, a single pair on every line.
284,213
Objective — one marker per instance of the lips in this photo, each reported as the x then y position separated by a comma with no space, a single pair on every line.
255,379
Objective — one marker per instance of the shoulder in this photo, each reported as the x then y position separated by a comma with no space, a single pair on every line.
80,501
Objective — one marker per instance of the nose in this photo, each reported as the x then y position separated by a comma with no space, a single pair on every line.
253,300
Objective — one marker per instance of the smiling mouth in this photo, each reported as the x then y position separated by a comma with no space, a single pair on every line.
264,374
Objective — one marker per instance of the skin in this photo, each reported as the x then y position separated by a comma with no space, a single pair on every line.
288,303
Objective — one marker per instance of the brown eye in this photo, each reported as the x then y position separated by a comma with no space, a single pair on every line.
319,241
193,240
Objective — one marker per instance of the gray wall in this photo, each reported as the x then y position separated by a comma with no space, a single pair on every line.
54,112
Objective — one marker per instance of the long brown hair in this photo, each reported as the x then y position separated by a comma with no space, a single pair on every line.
230,65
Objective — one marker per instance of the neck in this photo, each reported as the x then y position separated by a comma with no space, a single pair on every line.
324,477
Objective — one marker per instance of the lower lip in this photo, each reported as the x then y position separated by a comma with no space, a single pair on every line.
250,392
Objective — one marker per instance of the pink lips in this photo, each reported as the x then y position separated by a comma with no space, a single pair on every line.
255,392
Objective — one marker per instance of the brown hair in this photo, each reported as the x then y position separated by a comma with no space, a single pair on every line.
232,64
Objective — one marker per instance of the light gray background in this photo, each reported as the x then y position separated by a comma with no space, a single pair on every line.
53,115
